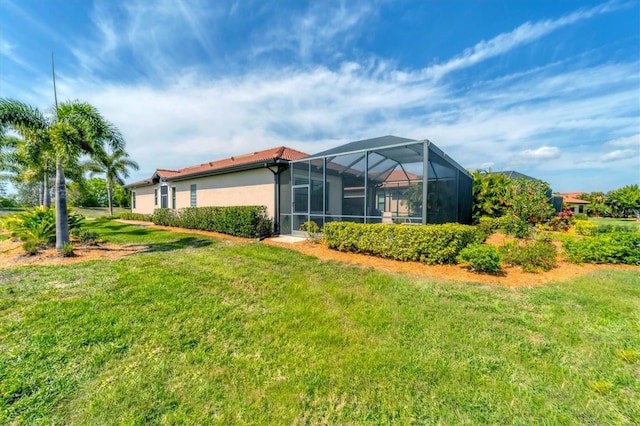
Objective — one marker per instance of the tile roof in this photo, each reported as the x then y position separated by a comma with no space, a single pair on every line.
258,158
572,197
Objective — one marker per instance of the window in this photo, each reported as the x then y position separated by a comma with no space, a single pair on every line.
164,195
194,200
155,197
133,200
173,197
381,201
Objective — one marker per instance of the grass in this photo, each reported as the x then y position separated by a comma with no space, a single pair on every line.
632,223
248,333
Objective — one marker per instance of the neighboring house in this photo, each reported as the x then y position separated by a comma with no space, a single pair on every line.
572,202
250,179
369,181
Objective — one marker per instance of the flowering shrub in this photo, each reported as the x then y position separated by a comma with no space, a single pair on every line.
562,221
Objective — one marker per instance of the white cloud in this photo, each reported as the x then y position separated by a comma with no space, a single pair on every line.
502,43
632,141
619,154
318,29
544,153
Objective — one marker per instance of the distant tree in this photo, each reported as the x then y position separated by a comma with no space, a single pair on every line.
624,201
597,203
115,166
27,193
87,193
121,196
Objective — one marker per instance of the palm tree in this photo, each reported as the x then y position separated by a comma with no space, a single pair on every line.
72,129
115,167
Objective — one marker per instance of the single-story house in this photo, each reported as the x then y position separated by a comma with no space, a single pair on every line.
249,179
369,181
572,202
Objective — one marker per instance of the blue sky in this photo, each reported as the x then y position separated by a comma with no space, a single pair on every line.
547,88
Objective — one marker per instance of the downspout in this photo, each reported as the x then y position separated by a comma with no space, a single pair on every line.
276,208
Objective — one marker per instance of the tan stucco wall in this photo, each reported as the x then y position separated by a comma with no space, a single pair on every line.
144,199
248,188
252,187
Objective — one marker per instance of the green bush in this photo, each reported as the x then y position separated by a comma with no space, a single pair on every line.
312,229
580,216
135,216
241,221
617,247
31,247
488,225
511,224
532,256
86,236
584,227
38,224
431,244
481,257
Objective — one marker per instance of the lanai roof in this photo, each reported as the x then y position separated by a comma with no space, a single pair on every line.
395,148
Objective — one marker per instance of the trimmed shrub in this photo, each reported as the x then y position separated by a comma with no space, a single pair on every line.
312,229
481,257
136,216
431,244
241,221
532,256
619,247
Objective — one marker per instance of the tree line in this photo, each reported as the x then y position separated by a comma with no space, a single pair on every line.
496,195
68,141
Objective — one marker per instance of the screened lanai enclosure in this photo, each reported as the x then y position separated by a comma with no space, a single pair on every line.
379,180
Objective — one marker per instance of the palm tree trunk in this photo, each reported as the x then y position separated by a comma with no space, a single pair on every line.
110,197
47,191
41,190
62,223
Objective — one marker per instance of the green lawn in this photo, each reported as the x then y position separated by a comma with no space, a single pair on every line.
199,330
615,222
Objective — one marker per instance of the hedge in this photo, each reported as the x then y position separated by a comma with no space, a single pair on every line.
241,221
135,216
431,244
617,247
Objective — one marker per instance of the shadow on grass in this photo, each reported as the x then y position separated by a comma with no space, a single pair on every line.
182,243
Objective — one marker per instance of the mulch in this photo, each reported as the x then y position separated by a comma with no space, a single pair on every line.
11,255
